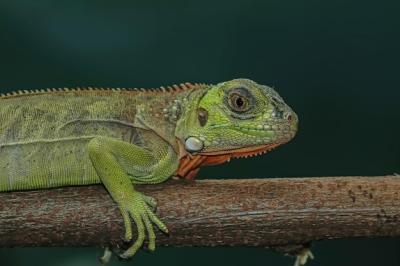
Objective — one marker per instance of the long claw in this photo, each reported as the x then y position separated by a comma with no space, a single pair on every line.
139,241
157,221
106,256
127,225
303,256
150,231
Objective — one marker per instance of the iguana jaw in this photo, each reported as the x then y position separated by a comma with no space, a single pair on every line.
243,152
189,164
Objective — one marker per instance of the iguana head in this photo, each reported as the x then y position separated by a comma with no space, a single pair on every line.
237,118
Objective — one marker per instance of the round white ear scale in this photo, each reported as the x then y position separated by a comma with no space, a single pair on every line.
193,144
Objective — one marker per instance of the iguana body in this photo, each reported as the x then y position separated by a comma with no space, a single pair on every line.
124,137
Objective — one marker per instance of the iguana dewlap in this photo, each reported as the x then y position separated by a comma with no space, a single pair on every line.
122,137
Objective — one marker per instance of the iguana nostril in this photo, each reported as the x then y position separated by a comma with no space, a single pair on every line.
278,114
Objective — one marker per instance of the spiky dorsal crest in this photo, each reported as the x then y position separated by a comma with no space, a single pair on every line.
169,89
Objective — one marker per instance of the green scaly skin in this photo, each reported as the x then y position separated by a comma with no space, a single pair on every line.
125,137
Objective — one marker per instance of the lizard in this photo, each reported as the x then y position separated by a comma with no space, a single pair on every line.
123,137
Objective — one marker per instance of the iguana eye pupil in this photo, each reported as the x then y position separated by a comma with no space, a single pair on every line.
239,102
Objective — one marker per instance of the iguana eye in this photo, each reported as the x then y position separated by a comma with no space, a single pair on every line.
239,100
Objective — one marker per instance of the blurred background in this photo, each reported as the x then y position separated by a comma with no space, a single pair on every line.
335,62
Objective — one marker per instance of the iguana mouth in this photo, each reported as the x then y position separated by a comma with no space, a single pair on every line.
244,151
189,164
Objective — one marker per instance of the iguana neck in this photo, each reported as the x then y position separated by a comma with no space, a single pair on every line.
165,115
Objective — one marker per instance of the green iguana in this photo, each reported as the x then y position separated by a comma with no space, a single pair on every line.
118,137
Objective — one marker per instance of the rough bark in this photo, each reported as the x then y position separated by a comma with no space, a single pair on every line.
254,212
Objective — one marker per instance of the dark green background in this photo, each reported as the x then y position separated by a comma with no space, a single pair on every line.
335,62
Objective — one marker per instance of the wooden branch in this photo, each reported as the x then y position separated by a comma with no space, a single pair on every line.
254,212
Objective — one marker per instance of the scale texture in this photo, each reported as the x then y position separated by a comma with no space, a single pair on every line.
122,137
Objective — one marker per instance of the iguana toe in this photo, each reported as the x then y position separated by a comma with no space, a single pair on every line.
150,201
140,211
303,256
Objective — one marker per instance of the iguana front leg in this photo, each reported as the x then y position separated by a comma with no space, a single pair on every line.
119,165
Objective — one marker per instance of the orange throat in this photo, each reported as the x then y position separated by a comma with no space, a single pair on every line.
189,165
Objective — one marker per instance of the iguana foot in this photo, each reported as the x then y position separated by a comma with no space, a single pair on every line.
139,209
106,256
303,256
